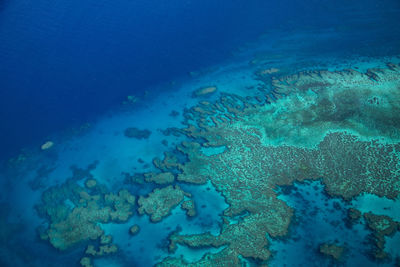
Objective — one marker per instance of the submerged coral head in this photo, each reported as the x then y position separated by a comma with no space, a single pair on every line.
47,145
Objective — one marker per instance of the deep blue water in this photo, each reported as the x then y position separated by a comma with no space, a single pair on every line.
63,63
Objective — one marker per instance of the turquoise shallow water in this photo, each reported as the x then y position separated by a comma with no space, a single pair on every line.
125,82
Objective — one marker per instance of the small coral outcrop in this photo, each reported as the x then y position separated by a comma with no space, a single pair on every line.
205,91
159,203
136,133
134,229
381,226
332,250
189,207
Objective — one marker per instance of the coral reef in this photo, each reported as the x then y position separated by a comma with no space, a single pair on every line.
121,205
90,183
159,203
318,101
352,167
79,225
134,132
130,100
247,238
101,251
332,250
135,178
222,258
205,91
261,74
381,226
47,145
105,239
75,212
159,178
189,207
353,216
169,162
134,229
339,127
86,262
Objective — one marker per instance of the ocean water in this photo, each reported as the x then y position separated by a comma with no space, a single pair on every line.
200,133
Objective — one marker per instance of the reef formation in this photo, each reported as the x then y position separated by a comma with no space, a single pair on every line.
74,213
205,91
331,250
340,127
133,132
160,202
337,127
381,227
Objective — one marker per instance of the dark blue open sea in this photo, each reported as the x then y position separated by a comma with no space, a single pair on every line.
200,133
